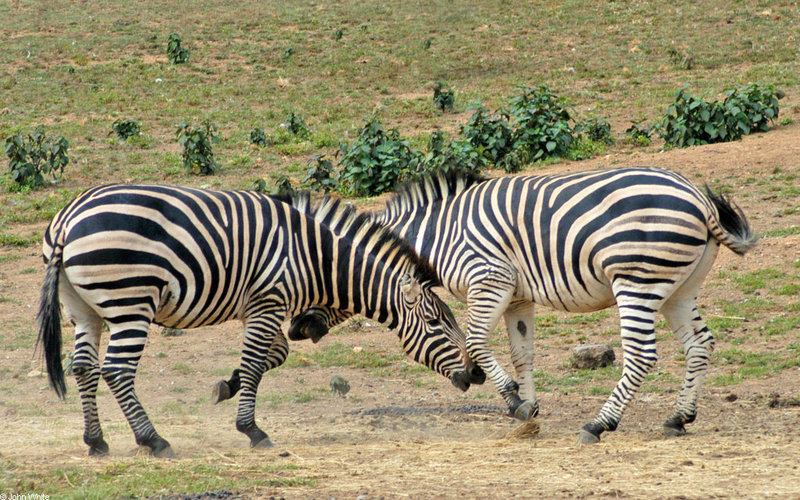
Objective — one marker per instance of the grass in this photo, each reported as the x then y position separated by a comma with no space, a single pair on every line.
76,81
751,364
145,477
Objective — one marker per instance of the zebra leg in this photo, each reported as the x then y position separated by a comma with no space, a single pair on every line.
86,364
487,299
265,347
637,327
698,343
226,389
680,311
119,371
520,324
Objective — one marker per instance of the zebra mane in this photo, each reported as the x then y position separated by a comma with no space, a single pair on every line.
344,221
431,188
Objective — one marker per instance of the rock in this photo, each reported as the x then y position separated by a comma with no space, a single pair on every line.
339,385
592,356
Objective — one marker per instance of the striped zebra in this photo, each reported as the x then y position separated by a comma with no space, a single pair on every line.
132,255
641,238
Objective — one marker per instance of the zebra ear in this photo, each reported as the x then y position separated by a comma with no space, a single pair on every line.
410,288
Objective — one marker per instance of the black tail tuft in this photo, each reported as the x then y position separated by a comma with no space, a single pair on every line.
49,319
739,236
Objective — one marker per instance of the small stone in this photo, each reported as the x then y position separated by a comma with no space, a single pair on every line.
731,397
357,349
35,373
339,385
592,356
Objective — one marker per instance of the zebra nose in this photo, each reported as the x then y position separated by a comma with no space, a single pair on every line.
476,374
461,380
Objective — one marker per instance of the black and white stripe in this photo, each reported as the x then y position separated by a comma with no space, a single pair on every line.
641,238
132,255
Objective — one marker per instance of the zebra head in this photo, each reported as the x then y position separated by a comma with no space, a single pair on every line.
430,334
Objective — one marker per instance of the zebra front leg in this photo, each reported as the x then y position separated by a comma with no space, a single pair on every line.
698,343
487,299
637,327
119,371
520,324
265,347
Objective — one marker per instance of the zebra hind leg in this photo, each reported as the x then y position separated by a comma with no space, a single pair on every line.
265,347
698,343
520,322
637,327
119,371
85,364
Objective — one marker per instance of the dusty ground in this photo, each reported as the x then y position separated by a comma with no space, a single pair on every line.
416,436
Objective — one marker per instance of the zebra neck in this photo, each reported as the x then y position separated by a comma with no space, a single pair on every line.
423,228
365,279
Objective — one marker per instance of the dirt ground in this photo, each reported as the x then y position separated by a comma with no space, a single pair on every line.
393,438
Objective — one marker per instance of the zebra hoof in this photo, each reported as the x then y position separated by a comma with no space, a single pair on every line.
264,443
526,411
98,449
586,437
221,392
673,430
165,452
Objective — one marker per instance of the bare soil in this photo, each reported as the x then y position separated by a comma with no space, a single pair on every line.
415,435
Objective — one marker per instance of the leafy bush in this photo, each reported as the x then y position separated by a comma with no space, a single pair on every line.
639,133
283,185
35,156
125,128
198,156
595,129
319,175
443,99
258,137
540,121
752,107
297,126
176,53
493,136
690,121
260,185
373,163
456,156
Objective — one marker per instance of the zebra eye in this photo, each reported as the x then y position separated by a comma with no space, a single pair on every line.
434,322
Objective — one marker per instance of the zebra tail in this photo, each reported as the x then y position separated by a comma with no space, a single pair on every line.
729,225
49,319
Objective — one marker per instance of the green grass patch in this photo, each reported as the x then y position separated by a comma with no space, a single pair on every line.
752,364
144,477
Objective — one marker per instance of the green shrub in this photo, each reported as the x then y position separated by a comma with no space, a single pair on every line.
297,126
198,156
283,185
35,156
373,163
125,128
443,99
492,135
690,121
752,107
175,53
639,133
320,175
258,137
595,129
540,122
456,156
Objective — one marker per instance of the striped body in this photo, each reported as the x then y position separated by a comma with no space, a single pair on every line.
130,256
640,238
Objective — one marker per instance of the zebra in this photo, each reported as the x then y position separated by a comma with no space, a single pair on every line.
132,255
641,238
